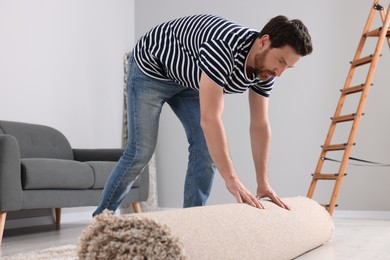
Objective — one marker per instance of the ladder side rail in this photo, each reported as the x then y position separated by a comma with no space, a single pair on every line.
366,29
341,173
359,112
370,77
383,16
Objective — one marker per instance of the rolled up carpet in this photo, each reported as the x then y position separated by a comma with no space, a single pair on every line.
227,231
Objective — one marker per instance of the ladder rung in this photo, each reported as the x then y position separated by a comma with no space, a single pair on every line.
345,118
327,205
362,61
325,176
334,147
352,90
376,32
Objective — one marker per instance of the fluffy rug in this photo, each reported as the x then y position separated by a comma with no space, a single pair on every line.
66,252
229,231
130,237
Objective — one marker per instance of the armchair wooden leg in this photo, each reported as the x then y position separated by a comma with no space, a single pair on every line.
3,215
136,207
58,216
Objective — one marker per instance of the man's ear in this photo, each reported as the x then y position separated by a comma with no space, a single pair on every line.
265,41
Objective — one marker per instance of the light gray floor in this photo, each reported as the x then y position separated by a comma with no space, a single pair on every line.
353,239
24,240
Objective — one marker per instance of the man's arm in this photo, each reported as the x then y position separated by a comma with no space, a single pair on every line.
260,133
211,108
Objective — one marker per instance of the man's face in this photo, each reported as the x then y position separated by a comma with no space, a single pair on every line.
274,61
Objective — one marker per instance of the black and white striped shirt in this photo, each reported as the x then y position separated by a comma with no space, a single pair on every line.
180,49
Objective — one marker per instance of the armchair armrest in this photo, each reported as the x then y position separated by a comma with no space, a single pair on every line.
83,155
10,174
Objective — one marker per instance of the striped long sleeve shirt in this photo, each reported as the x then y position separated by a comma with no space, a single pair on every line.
179,50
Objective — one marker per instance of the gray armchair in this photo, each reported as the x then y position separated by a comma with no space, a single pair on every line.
39,169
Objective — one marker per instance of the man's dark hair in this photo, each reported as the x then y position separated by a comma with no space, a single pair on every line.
284,32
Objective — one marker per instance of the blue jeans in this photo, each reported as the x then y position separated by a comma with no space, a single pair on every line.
145,98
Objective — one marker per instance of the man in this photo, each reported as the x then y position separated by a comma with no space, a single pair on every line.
190,63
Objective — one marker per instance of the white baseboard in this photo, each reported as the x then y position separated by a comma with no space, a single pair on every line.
77,214
357,214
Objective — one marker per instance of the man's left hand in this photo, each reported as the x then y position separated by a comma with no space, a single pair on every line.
265,190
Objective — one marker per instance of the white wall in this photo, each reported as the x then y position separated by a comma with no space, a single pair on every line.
300,107
61,65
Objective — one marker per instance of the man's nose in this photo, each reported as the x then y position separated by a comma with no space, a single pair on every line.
279,71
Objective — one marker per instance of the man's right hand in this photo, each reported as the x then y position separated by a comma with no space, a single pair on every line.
242,194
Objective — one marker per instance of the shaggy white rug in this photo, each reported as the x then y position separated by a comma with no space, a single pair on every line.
65,252
229,231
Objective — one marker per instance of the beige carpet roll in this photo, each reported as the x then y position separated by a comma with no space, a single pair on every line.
228,231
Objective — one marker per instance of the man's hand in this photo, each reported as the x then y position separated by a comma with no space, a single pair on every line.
265,190
242,194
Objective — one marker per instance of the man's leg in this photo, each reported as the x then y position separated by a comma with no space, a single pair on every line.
146,97
201,169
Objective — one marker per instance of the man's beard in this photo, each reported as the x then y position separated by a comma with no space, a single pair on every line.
260,70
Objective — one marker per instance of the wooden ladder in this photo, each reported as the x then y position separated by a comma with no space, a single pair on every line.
382,33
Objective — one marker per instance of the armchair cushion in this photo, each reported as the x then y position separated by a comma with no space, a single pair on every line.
102,171
39,173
